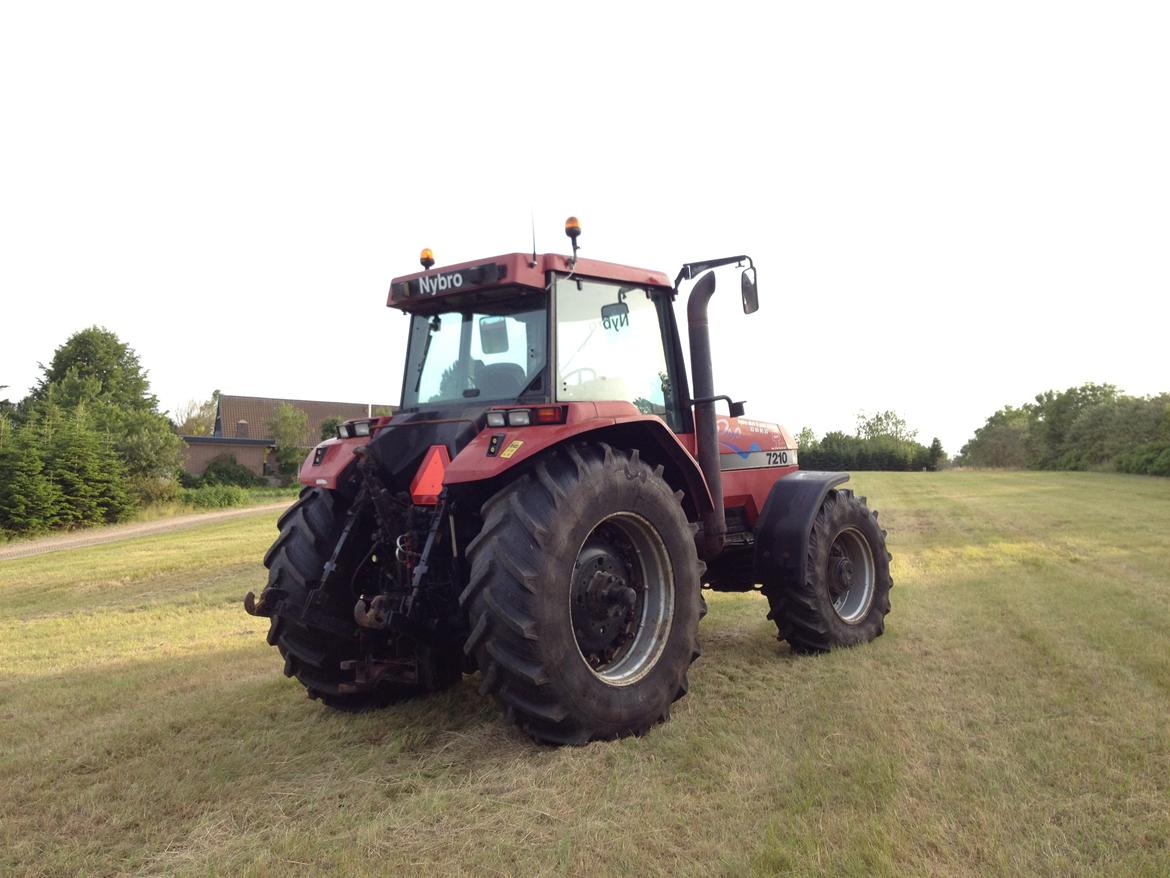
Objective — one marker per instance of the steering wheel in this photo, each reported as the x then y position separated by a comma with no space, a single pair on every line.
592,373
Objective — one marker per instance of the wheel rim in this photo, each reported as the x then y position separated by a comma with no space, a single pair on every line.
621,600
851,575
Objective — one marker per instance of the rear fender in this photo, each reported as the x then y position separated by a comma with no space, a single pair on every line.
785,522
329,470
655,442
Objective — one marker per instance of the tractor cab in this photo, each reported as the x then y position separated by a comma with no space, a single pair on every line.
542,329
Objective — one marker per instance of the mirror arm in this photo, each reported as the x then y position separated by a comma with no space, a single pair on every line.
690,269
735,409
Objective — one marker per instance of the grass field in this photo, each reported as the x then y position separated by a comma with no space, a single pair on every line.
1015,719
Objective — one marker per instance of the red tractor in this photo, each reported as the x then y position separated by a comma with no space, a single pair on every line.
548,503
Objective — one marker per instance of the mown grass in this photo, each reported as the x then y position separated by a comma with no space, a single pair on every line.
1013,720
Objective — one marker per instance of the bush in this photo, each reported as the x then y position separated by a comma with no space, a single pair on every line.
226,470
214,496
149,491
1152,459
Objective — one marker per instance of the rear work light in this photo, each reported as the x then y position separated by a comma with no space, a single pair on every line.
545,414
354,428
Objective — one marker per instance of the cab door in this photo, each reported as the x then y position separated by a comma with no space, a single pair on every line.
612,345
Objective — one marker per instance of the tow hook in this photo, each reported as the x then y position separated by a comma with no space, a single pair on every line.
256,608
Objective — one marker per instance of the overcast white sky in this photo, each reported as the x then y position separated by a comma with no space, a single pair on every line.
952,207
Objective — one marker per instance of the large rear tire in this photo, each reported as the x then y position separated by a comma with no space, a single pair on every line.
316,635
845,595
584,596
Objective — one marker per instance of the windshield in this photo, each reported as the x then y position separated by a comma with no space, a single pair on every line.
492,353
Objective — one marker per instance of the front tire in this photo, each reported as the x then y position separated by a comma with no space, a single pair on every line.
845,595
584,596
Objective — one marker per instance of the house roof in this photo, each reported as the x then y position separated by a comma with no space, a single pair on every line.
250,417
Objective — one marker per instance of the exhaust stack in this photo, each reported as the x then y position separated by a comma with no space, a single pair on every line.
713,524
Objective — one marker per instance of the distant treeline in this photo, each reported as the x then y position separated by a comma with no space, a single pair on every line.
1094,426
881,442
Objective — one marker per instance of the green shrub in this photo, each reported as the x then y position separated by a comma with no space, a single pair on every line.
214,496
226,470
1151,459
150,490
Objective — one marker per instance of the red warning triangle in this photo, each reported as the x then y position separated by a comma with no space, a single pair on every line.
428,481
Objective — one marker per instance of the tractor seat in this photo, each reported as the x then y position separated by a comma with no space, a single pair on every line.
499,380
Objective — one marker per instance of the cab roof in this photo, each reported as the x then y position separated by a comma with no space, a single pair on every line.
510,270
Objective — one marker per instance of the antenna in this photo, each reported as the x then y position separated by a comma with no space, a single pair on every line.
532,218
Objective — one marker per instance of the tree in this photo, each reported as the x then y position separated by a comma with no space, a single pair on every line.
289,426
29,501
90,476
329,427
95,364
884,424
1052,418
935,457
146,444
95,371
1104,430
806,439
197,418
1001,442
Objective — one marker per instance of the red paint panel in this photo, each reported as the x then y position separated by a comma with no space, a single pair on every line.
748,488
337,459
472,464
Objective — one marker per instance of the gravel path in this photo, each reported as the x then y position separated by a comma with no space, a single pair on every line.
117,532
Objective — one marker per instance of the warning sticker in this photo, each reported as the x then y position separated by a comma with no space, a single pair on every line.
512,448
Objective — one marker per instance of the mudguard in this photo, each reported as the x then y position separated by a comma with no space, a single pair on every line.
619,424
783,528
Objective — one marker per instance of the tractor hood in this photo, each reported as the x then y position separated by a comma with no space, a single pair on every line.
399,447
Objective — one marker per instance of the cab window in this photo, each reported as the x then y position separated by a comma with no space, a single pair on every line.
610,347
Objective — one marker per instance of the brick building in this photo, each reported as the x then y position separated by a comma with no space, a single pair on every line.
243,429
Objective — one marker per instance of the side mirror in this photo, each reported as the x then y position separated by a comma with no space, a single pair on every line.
493,335
615,316
748,291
